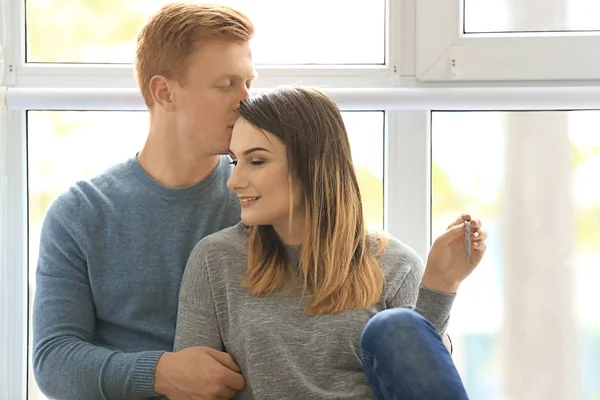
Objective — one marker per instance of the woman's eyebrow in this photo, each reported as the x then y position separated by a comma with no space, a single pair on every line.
249,151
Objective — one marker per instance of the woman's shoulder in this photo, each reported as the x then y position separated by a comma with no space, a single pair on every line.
224,245
393,255
233,234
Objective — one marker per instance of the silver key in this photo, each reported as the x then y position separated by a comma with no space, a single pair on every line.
468,239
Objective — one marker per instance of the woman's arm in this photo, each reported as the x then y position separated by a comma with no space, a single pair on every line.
197,322
198,367
434,306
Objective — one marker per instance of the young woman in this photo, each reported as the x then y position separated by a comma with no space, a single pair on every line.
308,303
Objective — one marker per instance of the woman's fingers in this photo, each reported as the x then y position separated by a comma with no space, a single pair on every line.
451,234
479,236
461,219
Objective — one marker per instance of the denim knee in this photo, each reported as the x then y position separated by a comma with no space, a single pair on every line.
396,325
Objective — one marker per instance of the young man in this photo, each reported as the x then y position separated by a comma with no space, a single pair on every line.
113,249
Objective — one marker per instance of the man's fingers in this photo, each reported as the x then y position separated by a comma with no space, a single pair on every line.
226,393
233,379
230,372
225,359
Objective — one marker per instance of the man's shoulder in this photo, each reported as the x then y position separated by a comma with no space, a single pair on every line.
82,196
115,179
102,181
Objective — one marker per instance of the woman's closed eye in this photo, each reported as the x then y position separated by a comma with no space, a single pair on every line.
253,162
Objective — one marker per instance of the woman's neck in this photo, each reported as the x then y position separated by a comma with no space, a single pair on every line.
294,234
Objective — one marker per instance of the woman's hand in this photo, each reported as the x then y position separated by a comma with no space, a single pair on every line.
447,263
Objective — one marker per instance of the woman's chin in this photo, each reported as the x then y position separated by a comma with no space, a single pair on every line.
250,219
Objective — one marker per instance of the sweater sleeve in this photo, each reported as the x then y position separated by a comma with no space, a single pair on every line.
66,363
197,322
434,306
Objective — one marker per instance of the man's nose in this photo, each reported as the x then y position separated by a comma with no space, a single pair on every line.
244,93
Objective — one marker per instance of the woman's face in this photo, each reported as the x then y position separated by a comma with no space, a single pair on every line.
260,179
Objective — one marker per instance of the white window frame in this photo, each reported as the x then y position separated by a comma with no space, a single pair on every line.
13,256
445,53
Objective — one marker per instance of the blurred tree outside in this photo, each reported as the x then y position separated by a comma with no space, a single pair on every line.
371,189
587,217
85,30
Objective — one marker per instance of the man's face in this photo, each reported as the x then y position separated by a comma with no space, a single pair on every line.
218,77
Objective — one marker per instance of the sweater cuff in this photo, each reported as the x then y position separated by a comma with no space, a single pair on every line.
435,307
143,374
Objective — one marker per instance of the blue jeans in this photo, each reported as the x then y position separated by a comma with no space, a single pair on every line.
404,358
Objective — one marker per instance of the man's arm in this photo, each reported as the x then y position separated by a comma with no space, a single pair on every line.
65,362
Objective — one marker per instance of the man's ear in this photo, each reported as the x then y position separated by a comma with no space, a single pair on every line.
160,89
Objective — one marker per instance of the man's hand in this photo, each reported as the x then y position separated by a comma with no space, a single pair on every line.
197,373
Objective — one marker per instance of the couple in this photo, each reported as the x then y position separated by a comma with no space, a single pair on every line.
295,301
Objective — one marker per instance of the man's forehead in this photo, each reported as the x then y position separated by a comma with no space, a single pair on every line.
230,57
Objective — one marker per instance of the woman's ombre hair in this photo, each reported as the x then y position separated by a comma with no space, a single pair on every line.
337,261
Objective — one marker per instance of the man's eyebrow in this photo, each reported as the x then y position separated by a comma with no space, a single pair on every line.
249,151
253,76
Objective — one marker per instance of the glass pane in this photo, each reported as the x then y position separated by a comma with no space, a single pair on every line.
66,146
476,181
531,15
287,32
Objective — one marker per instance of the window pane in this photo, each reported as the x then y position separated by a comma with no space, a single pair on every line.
64,147
531,15
287,32
476,181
